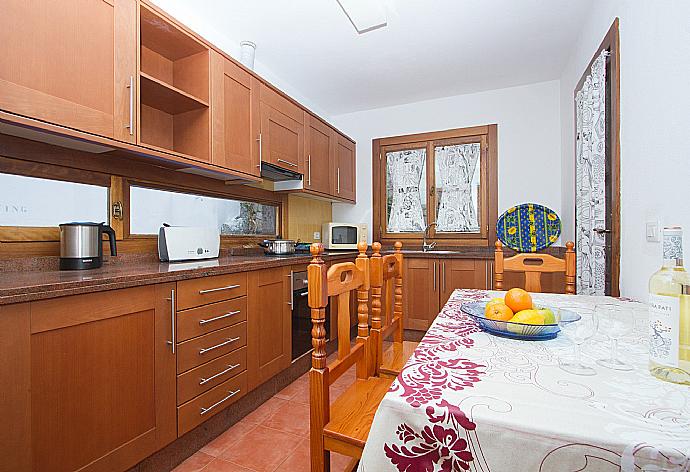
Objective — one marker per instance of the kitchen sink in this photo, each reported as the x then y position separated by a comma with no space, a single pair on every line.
439,252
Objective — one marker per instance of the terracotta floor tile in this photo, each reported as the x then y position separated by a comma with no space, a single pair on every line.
219,465
292,417
299,460
262,449
296,391
264,411
194,463
216,447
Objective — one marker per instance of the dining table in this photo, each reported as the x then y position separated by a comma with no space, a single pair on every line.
468,400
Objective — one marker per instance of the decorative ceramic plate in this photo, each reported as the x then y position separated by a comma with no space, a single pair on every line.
528,227
517,330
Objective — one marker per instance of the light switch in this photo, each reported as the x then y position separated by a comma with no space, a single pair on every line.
317,236
652,231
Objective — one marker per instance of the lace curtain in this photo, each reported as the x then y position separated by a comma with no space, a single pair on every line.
455,173
405,181
590,197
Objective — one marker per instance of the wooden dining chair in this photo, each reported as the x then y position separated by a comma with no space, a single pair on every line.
533,265
342,426
387,311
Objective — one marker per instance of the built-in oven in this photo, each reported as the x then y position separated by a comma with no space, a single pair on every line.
301,316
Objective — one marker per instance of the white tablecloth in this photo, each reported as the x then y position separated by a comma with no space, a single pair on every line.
468,400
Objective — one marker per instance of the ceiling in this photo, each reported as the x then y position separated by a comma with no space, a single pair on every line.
429,49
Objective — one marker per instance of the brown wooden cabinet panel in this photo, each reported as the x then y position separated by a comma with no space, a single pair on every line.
70,63
428,282
102,384
236,116
346,169
269,346
282,139
461,273
421,289
319,150
15,378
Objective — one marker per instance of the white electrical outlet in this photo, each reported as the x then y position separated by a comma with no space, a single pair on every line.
317,236
652,231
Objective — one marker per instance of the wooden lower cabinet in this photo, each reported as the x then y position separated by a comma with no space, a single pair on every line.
428,282
269,343
102,379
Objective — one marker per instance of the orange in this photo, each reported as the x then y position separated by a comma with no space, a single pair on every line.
517,300
498,312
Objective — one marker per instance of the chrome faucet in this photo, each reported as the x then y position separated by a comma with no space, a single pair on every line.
431,245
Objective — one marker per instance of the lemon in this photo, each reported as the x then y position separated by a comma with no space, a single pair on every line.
532,317
495,300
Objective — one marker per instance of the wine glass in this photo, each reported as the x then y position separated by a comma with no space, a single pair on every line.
579,332
615,321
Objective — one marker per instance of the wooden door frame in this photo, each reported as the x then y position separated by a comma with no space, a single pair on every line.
611,43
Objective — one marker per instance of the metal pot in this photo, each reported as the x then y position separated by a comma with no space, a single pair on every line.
278,247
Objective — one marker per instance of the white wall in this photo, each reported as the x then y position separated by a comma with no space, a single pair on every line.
529,141
655,124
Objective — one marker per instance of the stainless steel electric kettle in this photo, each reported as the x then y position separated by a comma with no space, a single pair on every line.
81,245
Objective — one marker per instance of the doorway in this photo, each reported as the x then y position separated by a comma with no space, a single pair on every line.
597,172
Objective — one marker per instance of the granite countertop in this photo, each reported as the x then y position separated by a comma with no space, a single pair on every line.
22,282
23,286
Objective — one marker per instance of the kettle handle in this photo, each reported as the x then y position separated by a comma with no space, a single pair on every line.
111,238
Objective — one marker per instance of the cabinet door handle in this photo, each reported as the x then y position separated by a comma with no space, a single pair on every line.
203,381
309,170
130,126
207,409
261,158
434,276
443,276
338,173
217,289
287,162
292,288
224,343
227,315
172,320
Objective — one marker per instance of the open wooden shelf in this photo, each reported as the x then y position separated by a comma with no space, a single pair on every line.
174,88
158,94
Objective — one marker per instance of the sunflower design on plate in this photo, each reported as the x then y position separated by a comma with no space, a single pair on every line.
528,227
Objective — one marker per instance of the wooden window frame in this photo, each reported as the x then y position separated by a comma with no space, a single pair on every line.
115,170
487,136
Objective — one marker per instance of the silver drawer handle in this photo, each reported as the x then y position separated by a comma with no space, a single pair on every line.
232,394
287,162
304,294
224,343
210,290
230,367
203,322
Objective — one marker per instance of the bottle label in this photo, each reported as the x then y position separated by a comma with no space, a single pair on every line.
664,329
673,244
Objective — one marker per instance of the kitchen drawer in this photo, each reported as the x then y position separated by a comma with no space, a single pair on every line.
196,411
205,290
204,319
200,350
200,379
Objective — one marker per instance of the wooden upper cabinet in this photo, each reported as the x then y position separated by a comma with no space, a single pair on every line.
269,343
174,81
236,116
71,63
282,131
346,169
319,155
102,379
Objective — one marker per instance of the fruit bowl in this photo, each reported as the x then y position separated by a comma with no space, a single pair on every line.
508,329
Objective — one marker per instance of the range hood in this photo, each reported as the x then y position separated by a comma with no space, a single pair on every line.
278,174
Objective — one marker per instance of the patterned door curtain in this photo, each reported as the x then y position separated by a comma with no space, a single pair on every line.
455,170
590,197
405,171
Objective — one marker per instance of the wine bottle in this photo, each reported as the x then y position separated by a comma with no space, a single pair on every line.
669,313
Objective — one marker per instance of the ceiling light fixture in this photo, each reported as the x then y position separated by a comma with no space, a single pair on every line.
365,15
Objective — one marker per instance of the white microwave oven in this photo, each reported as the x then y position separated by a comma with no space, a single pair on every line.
342,235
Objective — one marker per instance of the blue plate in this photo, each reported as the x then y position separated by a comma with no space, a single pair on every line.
528,227
522,331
